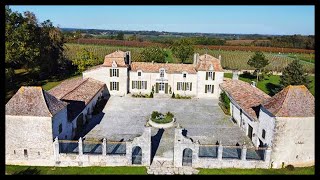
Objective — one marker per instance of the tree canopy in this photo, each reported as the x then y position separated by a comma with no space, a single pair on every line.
183,49
258,61
156,54
294,74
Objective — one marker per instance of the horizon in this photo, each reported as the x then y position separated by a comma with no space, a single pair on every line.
284,20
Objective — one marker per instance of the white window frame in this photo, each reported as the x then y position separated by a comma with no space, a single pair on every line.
142,84
162,71
210,75
179,88
187,86
114,72
209,89
135,85
113,86
184,74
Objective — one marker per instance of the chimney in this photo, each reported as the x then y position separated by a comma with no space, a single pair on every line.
219,58
195,58
235,74
253,83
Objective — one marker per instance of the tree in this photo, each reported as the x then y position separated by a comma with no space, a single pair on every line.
120,36
84,60
258,61
294,74
156,54
183,49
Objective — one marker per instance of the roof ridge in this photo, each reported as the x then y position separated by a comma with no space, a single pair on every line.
84,80
42,95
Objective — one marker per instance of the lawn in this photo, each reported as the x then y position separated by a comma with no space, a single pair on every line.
235,171
269,83
10,169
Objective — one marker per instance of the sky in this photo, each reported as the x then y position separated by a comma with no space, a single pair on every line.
273,20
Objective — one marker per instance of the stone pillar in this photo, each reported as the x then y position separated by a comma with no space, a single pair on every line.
267,154
244,152
104,147
177,150
220,151
56,148
80,146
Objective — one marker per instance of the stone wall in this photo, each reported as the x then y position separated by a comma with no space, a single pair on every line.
31,134
61,119
294,141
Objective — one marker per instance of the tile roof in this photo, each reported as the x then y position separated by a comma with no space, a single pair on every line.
94,68
33,101
245,95
206,60
169,67
77,89
292,101
117,56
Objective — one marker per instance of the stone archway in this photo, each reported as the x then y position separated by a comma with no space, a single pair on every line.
187,157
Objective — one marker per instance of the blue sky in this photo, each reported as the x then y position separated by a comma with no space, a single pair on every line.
283,20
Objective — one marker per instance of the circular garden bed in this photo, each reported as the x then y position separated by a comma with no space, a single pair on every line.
160,120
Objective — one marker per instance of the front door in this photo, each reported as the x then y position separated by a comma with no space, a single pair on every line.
161,87
250,130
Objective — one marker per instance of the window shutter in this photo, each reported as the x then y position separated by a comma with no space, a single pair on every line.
117,72
190,86
145,85
110,73
213,74
212,88
177,86
117,86
207,75
206,87
184,86
166,88
110,87
157,87
132,85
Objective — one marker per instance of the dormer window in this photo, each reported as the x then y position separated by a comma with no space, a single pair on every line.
161,72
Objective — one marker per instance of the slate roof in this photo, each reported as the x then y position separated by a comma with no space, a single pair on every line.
117,56
169,67
246,96
33,101
292,101
206,60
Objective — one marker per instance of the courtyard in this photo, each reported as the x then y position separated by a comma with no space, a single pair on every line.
124,118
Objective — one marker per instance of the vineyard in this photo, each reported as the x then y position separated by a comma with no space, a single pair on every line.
230,59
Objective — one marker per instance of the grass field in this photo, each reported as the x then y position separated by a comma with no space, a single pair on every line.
269,83
284,171
74,170
230,59
37,170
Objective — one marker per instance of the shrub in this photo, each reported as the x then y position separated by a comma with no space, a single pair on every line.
151,95
173,96
177,96
155,114
170,115
290,167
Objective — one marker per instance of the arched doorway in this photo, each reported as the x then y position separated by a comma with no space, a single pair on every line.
136,155
187,157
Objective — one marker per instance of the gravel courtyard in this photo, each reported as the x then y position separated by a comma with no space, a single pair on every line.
124,118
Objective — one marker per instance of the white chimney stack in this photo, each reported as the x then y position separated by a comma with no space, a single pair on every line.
235,75
219,58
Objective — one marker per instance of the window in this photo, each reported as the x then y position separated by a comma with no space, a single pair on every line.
139,73
14,151
139,84
263,133
184,86
184,75
114,72
209,89
60,128
25,152
210,75
114,86
38,153
161,72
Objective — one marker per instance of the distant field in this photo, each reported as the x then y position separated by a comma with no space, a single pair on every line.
230,59
244,41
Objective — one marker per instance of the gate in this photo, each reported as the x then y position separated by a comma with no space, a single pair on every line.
187,157
136,155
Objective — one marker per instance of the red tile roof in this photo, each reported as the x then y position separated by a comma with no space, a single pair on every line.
169,67
245,95
117,57
292,101
33,101
206,60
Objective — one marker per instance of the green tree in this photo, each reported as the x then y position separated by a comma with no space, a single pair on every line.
120,36
294,74
156,54
84,60
258,61
183,49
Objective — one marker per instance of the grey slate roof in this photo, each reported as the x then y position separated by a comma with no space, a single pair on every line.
33,101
